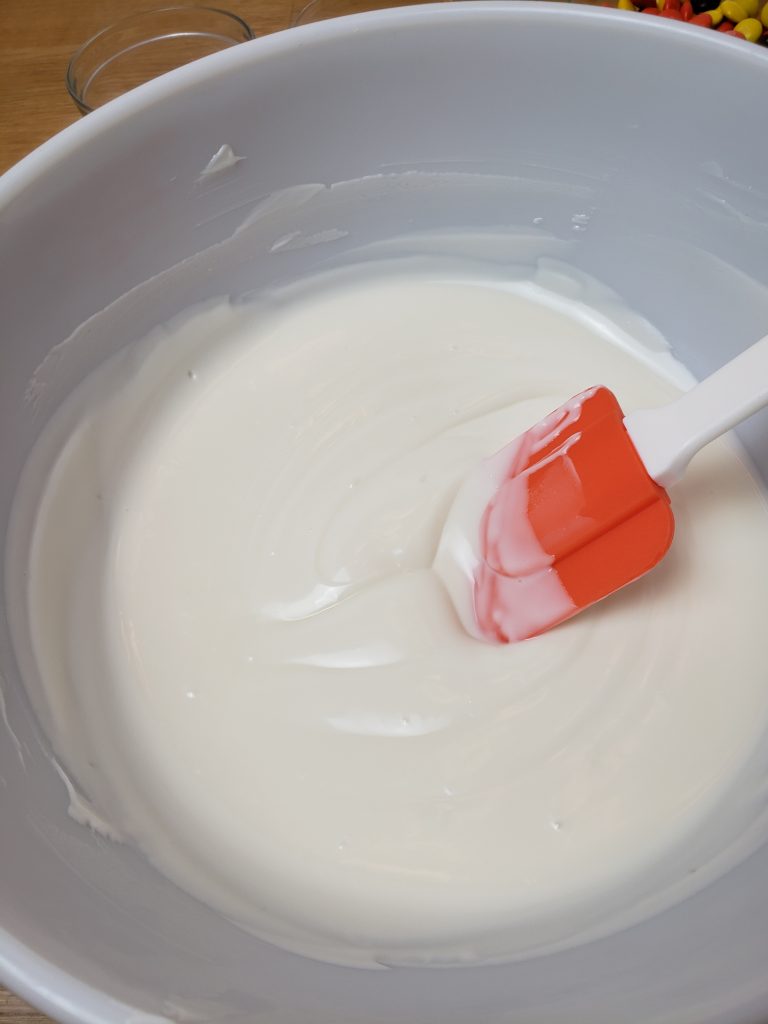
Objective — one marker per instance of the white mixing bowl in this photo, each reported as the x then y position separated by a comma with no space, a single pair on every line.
639,144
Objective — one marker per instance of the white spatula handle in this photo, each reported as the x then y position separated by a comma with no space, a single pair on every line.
667,438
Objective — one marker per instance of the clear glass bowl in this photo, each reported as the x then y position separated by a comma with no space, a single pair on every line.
145,45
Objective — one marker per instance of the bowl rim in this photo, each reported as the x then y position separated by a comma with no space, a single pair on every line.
53,990
24,174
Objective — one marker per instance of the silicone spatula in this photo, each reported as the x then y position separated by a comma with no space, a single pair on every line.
577,506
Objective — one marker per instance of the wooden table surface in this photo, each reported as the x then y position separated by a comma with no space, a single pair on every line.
37,38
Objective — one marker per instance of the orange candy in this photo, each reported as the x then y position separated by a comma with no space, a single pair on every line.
752,27
748,26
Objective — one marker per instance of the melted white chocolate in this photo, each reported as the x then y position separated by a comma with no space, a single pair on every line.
239,647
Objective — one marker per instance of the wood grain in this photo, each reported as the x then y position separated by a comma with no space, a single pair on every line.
14,1011
37,38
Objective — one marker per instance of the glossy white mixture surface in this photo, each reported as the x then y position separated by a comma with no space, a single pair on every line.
237,642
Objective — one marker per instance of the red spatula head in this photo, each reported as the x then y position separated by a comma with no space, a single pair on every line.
572,516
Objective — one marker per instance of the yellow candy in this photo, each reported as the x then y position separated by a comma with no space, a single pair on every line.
716,16
626,5
751,7
764,16
750,28
732,10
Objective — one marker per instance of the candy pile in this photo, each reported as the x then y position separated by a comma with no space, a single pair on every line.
742,18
